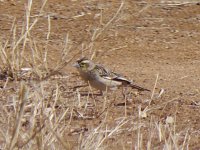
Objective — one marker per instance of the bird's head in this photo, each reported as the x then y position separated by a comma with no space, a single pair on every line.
84,64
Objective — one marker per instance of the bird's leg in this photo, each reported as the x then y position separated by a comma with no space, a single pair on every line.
124,89
125,93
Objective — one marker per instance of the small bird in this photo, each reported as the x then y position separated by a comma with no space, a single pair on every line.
101,78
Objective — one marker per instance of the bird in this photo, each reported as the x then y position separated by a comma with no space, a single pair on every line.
101,78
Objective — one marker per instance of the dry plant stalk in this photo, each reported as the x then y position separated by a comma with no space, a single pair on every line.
23,95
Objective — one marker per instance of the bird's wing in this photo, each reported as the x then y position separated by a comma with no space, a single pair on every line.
105,73
102,71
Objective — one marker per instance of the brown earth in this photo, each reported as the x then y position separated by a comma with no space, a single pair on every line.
146,40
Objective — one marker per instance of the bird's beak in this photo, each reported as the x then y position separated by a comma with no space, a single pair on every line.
76,65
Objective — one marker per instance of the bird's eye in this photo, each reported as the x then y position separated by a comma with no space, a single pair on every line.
83,65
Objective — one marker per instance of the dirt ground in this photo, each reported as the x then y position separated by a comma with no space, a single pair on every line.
150,42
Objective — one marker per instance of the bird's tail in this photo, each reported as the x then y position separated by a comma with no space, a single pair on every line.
139,88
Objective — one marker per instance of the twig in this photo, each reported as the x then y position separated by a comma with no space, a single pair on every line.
154,89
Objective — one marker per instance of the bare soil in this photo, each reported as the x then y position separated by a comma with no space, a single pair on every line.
147,39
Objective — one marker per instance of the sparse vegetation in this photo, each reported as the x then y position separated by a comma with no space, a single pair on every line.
44,106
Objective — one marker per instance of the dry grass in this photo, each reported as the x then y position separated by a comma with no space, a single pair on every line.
36,115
